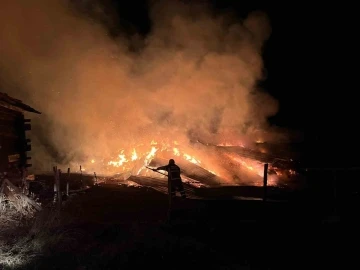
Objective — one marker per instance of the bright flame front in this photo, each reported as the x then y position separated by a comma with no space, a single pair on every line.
135,159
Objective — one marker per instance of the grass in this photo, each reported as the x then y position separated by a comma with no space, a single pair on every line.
86,235
119,227
13,231
24,239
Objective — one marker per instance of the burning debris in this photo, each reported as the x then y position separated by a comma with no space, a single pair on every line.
202,164
193,183
129,183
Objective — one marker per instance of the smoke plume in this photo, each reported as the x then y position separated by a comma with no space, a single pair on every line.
194,76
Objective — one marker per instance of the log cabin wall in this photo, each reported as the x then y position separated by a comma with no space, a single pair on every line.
14,145
12,142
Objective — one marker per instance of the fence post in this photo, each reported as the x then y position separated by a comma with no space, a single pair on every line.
55,181
95,177
59,197
266,165
81,180
67,182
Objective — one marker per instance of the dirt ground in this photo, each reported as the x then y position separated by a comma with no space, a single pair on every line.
122,227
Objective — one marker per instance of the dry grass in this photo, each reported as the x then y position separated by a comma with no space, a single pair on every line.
26,234
117,227
72,239
13,230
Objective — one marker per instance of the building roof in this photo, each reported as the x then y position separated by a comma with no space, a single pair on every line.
15,104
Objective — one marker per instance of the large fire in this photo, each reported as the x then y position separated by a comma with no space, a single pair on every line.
231,168
126,160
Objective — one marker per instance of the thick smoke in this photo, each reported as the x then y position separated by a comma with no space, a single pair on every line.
194,76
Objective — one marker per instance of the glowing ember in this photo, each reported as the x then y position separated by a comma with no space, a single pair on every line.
120,162
176,152
191,159
214,173
150,155
134,156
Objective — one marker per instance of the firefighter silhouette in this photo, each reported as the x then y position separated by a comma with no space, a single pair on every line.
174,179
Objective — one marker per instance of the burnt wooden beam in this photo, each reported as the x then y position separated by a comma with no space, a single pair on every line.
17,106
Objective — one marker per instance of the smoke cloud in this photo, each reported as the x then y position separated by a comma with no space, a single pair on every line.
194,76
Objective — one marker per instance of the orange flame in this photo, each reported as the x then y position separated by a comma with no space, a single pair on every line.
135,160
127,161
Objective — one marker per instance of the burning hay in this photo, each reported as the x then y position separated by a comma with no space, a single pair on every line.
11,198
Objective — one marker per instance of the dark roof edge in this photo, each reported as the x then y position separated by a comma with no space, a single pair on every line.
15,104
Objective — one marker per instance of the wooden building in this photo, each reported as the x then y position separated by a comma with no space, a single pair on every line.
14,145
